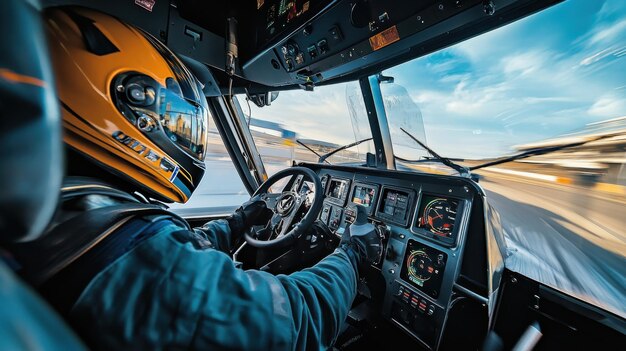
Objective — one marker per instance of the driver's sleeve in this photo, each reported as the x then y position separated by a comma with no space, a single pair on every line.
171,292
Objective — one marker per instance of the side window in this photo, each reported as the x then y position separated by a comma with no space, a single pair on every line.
221,190
323,120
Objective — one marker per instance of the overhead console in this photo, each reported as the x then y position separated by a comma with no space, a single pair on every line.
306,38
424,223
310,41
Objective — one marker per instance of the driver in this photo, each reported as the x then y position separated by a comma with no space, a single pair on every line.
134,112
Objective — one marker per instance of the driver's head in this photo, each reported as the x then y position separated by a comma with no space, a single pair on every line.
30,138
128,103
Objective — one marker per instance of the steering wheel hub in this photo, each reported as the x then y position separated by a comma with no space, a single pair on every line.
285,204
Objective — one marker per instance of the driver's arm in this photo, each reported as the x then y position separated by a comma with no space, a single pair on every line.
320,298
316,300
169,292
226,234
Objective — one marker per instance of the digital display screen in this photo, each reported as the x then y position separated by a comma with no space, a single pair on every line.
364,195
423,268
338,189
438,215
395,205
276,16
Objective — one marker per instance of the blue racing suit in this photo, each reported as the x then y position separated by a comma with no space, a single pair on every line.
178,289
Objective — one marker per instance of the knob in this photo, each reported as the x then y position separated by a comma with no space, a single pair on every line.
291,49
308,29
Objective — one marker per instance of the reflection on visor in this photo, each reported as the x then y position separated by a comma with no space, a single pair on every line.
184,123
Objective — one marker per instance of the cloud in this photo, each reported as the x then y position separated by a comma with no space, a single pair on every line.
547,99
596,57
608,107
478,99
609,33
524,63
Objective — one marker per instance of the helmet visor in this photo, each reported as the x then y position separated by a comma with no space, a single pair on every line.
185,123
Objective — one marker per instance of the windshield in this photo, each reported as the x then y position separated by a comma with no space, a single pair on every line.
324,119
554,73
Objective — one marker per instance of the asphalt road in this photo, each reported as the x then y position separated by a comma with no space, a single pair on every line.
570,238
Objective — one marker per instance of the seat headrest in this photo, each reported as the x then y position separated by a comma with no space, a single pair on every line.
30,130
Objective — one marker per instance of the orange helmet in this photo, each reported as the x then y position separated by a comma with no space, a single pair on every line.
128,103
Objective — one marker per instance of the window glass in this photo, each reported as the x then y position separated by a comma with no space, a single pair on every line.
549,75
324,119
221,190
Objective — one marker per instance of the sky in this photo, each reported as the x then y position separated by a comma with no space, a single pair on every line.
540,77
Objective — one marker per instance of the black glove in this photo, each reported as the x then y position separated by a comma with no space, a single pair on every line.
362,237
252,212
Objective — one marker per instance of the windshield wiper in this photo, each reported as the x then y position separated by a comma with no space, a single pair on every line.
462,170
539,151
328,154
313,151
322,158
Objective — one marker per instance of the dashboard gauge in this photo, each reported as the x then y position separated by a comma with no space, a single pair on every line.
420,267
439,215
424,267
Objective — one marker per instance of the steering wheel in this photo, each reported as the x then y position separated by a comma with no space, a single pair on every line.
285,206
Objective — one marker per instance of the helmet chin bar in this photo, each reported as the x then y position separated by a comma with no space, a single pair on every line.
285,207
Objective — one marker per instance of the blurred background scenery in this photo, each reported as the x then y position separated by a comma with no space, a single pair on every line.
555,78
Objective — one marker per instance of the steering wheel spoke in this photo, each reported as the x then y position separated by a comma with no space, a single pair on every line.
270,199
287,222
287,207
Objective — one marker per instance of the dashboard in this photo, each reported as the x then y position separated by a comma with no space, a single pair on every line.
423,221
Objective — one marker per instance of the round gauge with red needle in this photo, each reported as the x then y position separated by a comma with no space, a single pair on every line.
439,216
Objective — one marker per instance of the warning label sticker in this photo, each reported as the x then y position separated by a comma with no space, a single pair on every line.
146,4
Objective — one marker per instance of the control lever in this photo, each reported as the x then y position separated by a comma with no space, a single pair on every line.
366,233
361,216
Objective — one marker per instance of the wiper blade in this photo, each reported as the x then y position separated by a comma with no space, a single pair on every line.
322,158
328,154
462,170
310,149
539,151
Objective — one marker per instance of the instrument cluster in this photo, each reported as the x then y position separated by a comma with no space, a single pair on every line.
422,225
433,216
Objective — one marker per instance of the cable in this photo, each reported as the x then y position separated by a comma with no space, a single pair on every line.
230,87
249,111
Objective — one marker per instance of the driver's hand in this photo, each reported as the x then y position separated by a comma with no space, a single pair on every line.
252,212
363,239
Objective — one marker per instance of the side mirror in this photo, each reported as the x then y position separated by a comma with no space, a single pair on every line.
263,98
385,79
